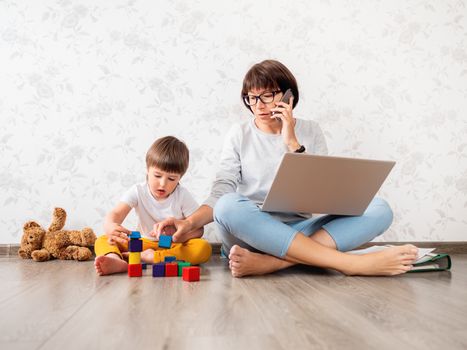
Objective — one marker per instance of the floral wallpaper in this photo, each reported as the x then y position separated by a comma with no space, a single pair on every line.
87,86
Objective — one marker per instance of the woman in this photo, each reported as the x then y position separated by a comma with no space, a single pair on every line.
258,242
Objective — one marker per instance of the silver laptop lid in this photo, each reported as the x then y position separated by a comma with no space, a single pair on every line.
306,183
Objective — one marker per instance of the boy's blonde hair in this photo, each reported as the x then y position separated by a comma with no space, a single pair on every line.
168,154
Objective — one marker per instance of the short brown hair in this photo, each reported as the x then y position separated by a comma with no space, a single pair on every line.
270,74
168,154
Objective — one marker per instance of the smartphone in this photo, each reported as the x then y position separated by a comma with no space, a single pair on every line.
287,95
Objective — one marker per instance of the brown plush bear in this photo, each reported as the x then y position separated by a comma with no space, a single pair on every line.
41,245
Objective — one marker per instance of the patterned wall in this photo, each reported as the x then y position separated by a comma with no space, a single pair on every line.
86,86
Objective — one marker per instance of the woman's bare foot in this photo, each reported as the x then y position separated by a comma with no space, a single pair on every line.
108,264
242,262
389,262
147,256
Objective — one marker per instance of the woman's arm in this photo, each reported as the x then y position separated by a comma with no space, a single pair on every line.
201,217
198,233
191,227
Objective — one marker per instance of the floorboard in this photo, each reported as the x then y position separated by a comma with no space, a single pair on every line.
63,304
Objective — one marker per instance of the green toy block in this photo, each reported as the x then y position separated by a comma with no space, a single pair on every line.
181,265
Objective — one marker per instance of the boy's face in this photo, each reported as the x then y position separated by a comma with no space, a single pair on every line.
162,183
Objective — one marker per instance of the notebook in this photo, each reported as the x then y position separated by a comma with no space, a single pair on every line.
426,259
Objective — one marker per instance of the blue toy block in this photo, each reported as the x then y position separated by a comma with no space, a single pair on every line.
165,241
135,245
169,259
158,270
135,234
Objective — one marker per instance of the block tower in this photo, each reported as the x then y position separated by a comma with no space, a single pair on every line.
135,247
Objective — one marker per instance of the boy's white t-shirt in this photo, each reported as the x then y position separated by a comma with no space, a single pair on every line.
150,211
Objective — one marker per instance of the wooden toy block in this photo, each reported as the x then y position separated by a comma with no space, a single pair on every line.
134,258
135,270
135,245
181,265
158,270
135,235
165,241
170,259
171,270
191,273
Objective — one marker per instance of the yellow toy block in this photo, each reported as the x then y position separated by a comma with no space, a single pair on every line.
134,258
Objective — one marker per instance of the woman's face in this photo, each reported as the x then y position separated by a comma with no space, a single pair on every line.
261,109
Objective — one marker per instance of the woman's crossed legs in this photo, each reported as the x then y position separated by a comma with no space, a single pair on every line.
257,243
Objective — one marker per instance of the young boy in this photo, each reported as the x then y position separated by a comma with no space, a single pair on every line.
160,197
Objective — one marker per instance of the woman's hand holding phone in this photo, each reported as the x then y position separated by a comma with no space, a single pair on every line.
283,111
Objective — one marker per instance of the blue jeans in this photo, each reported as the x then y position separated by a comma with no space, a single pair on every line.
240,221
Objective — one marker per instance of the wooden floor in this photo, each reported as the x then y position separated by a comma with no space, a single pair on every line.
64,305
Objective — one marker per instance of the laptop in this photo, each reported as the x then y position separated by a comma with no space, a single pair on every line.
306,183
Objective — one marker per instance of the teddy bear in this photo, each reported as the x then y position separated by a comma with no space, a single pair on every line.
42,245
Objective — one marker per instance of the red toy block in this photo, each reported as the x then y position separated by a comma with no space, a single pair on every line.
191,274
135,270
171,270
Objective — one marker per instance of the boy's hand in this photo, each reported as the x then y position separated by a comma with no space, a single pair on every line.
117,234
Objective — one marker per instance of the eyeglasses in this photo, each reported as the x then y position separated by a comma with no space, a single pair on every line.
265,97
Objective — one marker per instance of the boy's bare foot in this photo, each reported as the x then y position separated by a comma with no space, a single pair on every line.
108,264
242,262
389,262
147,256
